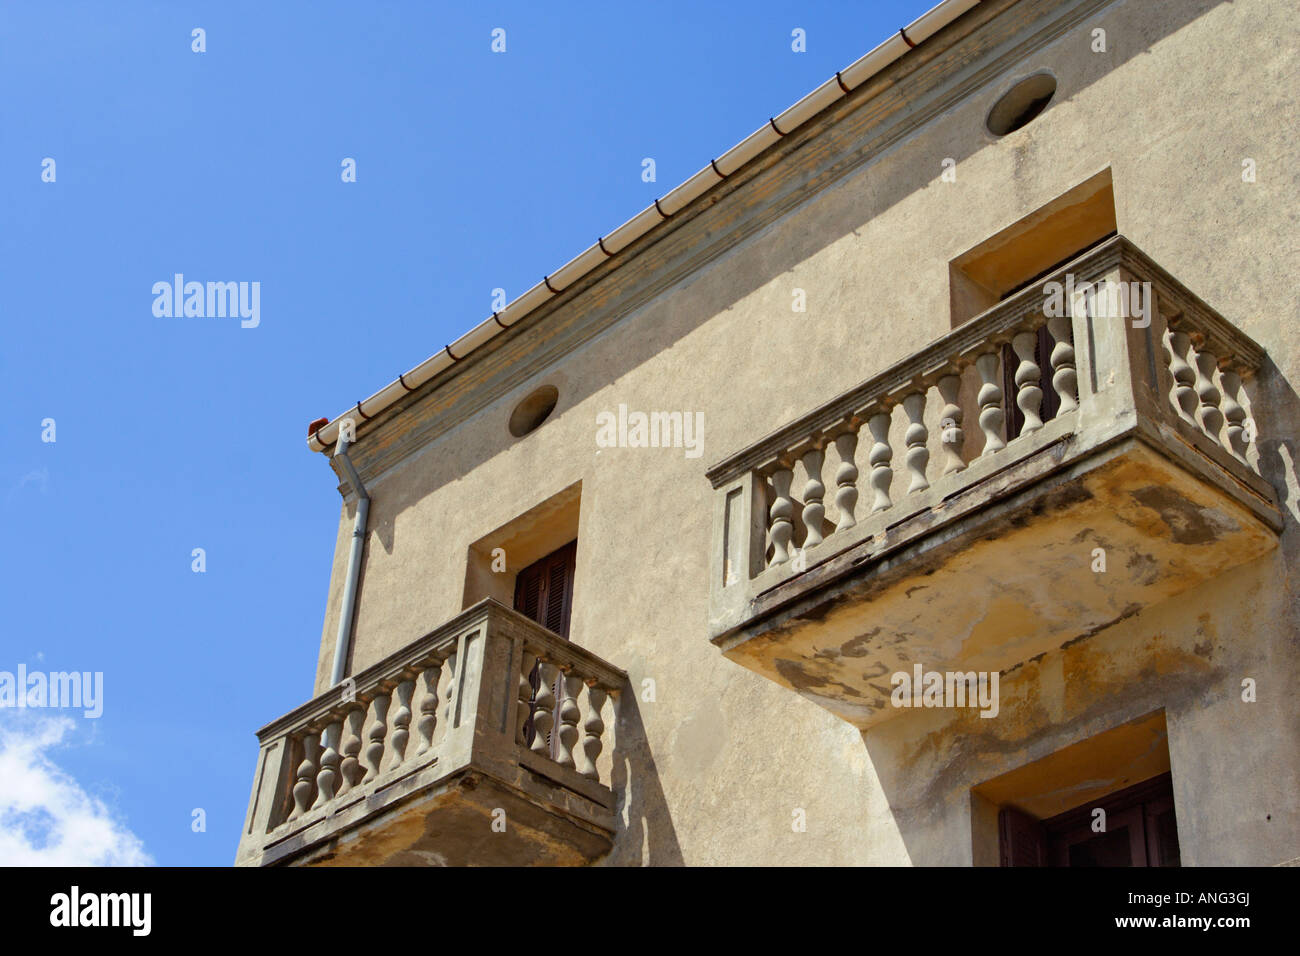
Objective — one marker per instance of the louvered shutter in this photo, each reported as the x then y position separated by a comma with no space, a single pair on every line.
528,593
544,590
559,590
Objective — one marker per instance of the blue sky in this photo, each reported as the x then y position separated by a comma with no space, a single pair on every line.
475,170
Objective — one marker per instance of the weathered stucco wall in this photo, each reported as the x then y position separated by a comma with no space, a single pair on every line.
713,769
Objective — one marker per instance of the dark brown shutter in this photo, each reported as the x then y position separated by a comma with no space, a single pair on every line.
1021,837
559,591
544,589
528,593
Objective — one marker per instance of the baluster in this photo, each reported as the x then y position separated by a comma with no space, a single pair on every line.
846,480
571,686
378,730
813,509
1209,416
449,707
401,721
1234,413
917,455
879,457
428,721
1065,378
327,778
524,709
950,423
302,789
1182,395
990,403
781,512
350,767
543,716
592,727
1029,396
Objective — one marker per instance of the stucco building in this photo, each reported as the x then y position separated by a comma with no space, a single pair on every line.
910,485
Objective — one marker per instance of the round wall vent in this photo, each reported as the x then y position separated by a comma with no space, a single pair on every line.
1021,103
533,410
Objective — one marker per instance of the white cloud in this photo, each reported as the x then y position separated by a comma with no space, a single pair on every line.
46,818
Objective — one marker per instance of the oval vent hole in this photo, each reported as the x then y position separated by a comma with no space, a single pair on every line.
1021,103
533,410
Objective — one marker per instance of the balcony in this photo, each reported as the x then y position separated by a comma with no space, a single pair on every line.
984,529
421,759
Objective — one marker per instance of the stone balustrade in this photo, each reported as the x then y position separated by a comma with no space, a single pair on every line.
447,712
1109,347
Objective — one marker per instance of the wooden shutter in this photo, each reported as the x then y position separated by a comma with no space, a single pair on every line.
559,591
528,592
1021,837
544,589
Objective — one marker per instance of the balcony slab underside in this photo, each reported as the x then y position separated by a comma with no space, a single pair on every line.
437,819
996,572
